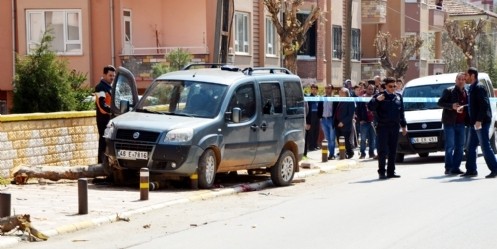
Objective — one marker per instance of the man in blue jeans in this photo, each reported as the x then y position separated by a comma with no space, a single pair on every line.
365,117
325,111
480,117
454,123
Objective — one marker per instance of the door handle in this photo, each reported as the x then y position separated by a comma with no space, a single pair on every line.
263,126
254,127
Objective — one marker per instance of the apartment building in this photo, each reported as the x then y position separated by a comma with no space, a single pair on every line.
403,18
90,34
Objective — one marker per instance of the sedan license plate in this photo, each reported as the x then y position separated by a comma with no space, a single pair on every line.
424,140
132,154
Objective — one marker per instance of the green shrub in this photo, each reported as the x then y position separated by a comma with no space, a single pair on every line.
178,58
43,82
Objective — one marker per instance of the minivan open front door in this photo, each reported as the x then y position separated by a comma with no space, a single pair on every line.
123,92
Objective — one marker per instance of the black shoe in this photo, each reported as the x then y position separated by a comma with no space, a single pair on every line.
331,158
393,176
457,172
469,174
492,175
349,156
447,172
382,177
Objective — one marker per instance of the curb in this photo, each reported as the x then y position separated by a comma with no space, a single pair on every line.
9,242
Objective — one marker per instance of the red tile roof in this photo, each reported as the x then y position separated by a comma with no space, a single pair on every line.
459,8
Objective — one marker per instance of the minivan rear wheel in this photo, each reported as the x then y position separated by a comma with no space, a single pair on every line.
207,169
283,171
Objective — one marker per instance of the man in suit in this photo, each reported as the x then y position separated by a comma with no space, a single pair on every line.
343,118
480,117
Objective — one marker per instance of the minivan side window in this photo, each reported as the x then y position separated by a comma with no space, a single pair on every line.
294,98
244,98
271,98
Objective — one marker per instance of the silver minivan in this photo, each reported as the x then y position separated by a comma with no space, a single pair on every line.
207,120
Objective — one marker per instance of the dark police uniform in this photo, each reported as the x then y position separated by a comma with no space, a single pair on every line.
390,117
102,99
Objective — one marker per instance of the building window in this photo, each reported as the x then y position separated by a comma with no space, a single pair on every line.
309,46
356,44
270,38
64,25
337,42
242,33
127,26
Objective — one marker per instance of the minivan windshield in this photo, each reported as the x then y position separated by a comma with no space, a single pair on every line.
185,98
424,91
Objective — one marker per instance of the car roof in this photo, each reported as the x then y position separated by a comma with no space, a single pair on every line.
217,75
438,79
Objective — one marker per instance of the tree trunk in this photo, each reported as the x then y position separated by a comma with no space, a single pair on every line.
56,173
291,62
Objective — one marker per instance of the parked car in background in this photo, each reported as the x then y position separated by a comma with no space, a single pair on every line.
424,126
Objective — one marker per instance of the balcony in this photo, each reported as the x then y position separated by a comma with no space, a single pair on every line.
437,19
374,11
139,60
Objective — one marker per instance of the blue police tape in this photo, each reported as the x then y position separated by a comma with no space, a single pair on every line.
366,99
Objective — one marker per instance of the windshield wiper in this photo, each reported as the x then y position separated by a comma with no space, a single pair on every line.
149,111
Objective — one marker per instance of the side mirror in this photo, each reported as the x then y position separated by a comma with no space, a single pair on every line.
235,114
124,106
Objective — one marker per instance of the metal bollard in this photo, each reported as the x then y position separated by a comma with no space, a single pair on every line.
341,147
324,151
4,205
82,196
144,184
194,181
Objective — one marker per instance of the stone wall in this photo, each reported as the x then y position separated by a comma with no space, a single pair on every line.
53,139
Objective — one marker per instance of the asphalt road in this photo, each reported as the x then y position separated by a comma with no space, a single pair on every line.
346,209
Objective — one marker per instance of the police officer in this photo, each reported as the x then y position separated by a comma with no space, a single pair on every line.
389,109
102,99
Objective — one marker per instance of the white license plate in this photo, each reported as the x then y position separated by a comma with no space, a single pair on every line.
132,154
424,140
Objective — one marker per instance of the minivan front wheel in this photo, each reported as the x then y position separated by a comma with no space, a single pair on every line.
283,171
207,169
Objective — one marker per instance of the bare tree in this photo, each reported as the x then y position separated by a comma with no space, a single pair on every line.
291,31
347,70
464,34
402,49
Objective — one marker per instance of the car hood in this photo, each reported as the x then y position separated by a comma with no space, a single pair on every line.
157,122
432,115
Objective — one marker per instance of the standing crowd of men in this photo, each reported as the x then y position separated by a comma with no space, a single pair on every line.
379,115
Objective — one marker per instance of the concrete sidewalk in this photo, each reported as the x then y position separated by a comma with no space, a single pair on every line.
53,207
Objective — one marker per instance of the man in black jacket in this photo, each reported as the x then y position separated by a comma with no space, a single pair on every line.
480,117
454,123
102,101
389,109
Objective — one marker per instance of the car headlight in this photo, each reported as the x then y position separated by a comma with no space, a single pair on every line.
109,130
179,135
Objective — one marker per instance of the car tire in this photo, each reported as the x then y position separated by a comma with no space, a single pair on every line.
492,143
399,158
425,154
207,165
283,171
